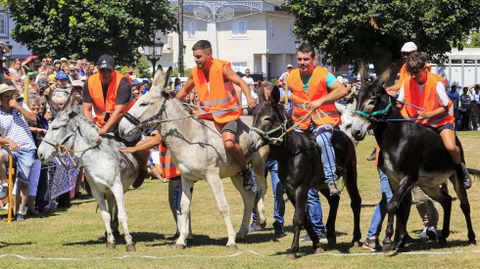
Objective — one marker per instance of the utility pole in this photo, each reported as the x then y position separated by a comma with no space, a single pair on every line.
181,69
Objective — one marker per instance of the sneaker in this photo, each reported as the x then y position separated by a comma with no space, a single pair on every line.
247,179
333,189
306,238
20,217
464,175
3,191
431,233
254,228
371,244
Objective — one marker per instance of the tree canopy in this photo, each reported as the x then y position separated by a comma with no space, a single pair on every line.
375,30
88,28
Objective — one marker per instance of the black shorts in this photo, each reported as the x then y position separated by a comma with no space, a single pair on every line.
230,126
445,126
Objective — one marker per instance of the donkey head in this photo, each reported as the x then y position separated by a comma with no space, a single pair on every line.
268,121
371,98
146,107
61,130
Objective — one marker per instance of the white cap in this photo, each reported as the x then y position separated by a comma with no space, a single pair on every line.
289,66
409,47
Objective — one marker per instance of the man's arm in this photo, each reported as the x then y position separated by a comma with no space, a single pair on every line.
87,110
9,142
230,75
186,89
29,115
144,145
337,91
114,117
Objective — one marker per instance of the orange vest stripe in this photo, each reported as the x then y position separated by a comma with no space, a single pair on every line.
218,99
102,105
169,170
316,89
427,99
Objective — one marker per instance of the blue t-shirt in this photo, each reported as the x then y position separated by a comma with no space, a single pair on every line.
330,80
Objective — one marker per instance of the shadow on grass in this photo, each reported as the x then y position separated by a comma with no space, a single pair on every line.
137,237
7,244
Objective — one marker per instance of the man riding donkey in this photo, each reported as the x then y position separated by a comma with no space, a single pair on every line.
213,78
314,88
425,98
109,94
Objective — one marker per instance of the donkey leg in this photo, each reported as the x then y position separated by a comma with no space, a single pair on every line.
387,241
113,210
217,188
261,190
248,198
445,200
350,179
117,191
185,201
333,202
465,206
105,216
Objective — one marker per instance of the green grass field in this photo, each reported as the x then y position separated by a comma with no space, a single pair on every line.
77,234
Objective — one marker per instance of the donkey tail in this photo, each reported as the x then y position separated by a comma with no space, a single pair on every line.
474,172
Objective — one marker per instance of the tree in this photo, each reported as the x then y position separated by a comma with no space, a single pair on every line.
89,28
375,30
473,40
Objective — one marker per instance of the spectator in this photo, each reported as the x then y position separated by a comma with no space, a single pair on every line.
474,114
15,133
464,109
455,97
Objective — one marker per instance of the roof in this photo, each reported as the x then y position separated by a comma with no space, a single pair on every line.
275,2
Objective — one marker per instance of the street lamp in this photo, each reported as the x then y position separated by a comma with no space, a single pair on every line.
154,53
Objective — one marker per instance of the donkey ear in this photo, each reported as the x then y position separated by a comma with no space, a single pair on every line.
275,94
51,103
386,75
362,71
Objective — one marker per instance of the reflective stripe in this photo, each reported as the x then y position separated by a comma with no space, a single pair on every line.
223,101
98,110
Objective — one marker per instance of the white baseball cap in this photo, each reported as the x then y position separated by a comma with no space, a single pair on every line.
409,47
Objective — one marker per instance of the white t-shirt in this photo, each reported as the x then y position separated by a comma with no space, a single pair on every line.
442,96
249,81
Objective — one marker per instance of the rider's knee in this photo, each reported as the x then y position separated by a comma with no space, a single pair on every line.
451,148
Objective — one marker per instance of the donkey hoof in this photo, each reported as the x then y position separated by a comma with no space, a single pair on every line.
180,246
387,247
472,242
232,247
442,242
263,224
292,256
131,247
110,245
357,243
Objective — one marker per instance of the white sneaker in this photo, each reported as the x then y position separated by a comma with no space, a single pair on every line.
3,191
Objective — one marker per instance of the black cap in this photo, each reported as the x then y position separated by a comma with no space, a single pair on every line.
106,62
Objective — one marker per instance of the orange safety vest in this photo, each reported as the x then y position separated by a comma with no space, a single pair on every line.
103,106
316,90
427,100
169,170
217,97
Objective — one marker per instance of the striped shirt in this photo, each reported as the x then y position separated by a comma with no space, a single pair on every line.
14,127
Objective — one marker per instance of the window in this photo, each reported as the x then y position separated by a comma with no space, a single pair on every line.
468,61
456,61
239,28
191,29
271,32
3,24
239,66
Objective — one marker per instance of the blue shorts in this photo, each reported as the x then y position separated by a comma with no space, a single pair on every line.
448,126
24,160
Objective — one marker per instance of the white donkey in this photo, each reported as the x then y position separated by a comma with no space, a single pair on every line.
109,172
197,150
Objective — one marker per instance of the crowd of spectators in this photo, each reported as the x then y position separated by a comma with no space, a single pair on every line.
466,104
31,79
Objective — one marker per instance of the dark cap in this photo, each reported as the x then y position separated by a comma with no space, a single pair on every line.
106,62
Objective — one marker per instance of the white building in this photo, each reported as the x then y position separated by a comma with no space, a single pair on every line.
6,26
462,67
249,34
